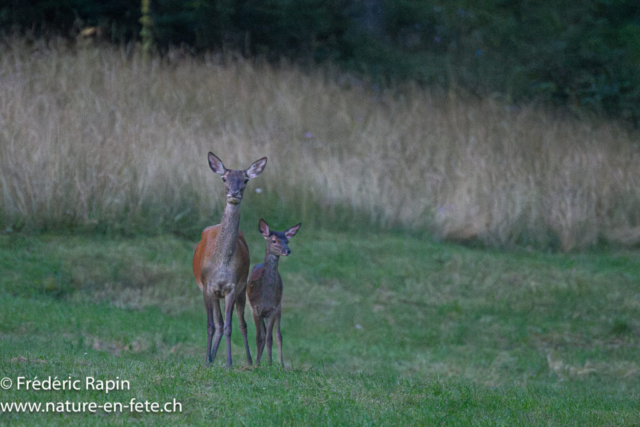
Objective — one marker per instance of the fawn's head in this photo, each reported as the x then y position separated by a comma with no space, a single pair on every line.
277,241
235,181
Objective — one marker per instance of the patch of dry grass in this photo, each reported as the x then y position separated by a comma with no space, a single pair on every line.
101,136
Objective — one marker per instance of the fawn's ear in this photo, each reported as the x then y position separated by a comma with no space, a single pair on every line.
264,228
216,164
257,167
290,232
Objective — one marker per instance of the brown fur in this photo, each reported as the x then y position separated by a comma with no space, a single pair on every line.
221,261
264,289
206,247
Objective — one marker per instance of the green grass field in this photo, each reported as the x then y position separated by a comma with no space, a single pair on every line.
378,330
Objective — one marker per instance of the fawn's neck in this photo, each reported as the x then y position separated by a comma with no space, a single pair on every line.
228,235
271,261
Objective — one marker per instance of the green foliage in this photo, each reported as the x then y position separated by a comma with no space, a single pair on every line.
581,54
119,17
576,53
269,28
147,27
378,330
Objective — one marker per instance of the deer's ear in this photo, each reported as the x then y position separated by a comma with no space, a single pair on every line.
256,168
263,228
216,164
290,232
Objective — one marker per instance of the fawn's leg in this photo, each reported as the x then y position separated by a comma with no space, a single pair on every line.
270,322
217,320
260,331
240,304
279,339
229,302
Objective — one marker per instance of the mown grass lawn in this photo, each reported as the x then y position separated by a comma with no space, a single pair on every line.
379,329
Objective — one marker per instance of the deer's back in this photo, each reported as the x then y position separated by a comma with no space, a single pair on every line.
206,247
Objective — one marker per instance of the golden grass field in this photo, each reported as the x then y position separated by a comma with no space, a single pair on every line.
100,135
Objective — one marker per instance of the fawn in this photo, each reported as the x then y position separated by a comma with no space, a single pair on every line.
264,288
221,260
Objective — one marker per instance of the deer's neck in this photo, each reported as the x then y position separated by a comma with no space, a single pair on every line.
228,236
271,262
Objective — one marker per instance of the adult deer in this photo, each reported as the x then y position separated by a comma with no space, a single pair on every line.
221,261
264,289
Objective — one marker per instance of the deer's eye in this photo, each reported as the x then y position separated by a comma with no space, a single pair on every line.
224,179
273,240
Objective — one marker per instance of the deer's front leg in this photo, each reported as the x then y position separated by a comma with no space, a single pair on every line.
217,320
279,340
241,299
260,331
210,326
270,322
229,302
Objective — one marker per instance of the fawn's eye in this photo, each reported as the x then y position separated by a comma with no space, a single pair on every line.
224,179
273,240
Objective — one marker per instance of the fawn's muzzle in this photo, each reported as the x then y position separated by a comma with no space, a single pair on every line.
234,198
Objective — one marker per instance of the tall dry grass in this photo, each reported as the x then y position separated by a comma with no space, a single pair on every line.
100,136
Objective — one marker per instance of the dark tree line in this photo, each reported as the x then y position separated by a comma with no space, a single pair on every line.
585,54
